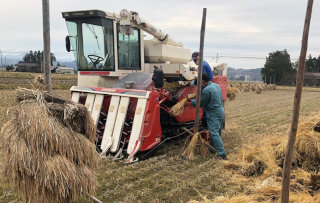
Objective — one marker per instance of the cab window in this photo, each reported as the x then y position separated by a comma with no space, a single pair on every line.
129,50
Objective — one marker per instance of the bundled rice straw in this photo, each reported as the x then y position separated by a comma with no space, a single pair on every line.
48,154
306,152
196,143
259,89
189,152
38,82
232,91
178,108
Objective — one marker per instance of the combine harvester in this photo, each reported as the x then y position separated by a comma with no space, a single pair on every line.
124,80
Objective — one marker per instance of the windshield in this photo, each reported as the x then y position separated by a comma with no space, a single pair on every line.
92,43
138,80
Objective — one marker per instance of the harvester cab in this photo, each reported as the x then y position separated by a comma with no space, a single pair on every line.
127,83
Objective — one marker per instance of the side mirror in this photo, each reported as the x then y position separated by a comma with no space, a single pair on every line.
68,43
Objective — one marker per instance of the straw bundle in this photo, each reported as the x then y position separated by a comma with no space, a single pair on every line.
246,88
38,82
196,144
172,86
317,127
232,91
250,165
189,151
178,108
45,156
259,89
306,150
253,88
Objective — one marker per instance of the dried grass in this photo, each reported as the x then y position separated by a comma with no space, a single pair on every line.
306,152
232,92
38,82
189,151
195,143
178,108
45,155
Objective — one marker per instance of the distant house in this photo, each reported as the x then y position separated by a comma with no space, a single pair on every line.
62,70
27,67
311,79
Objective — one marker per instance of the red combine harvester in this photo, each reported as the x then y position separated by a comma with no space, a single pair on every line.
124,81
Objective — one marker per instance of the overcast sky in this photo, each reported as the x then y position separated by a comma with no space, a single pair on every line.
234,27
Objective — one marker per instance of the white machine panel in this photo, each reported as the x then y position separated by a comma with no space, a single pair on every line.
133,146
90,101
111,119
75,97
95,113
121,117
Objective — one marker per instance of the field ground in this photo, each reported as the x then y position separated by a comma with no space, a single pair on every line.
12,80
167,177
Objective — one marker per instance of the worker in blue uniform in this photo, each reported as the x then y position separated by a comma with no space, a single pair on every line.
206,69
205,66
212,103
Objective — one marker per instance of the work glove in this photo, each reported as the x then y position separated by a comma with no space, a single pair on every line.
193,102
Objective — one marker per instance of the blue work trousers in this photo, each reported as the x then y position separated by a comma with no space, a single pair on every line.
215,126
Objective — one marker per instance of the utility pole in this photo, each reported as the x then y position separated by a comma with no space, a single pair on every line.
46,44
296,107
198,98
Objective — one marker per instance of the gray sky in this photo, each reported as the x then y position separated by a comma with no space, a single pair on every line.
234,27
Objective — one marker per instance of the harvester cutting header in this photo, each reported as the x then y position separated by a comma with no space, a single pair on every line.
130,84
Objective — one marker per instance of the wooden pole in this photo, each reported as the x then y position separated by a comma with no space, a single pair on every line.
46,45
296,108
203,28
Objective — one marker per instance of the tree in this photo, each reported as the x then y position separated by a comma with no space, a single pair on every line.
313,64
9,67
278,68
36,57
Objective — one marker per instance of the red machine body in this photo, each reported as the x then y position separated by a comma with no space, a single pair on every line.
151,130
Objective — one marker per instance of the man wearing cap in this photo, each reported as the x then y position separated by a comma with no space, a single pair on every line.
212,103
206,69
205,66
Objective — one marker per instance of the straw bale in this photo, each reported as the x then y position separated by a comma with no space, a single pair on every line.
306,153
77,117
317,127
254,168
259,89
43,157
232,91
28,94
246,88
38,82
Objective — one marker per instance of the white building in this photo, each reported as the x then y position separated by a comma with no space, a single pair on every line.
62,70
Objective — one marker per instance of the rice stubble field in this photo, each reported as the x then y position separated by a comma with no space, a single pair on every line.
251,119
